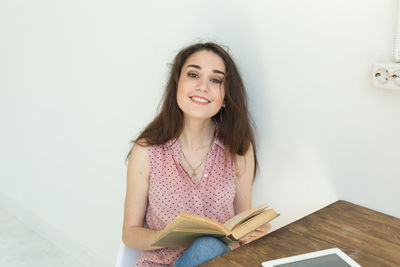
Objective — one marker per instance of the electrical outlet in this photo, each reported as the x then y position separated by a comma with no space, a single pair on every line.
386,76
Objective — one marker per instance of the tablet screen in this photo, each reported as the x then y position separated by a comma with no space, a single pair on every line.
331,260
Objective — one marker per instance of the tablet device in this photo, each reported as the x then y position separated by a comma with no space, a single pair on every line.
333,257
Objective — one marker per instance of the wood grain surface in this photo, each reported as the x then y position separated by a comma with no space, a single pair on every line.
369,237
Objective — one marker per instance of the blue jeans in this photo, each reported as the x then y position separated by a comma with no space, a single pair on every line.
202,249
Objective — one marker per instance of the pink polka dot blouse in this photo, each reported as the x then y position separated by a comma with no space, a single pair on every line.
171,191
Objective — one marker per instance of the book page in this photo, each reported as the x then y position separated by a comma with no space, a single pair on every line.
241,217
254,223
189,220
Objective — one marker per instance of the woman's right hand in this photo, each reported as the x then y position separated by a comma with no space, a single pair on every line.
234,245
256,234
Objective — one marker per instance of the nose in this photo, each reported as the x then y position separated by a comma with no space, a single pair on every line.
203,85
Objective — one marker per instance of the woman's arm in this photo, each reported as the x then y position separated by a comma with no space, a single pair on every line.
245,174
134,235
244,182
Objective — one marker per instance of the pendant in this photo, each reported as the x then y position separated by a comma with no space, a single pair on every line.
194,174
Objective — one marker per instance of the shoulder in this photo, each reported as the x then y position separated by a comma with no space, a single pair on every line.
138,156
139,148
144,153
245,163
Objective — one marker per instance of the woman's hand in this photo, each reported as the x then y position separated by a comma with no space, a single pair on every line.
260,232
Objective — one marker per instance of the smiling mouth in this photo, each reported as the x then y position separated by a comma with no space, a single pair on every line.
199,100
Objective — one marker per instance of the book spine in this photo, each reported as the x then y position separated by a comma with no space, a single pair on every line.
228,240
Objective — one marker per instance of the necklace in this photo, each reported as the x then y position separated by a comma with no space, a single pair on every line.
194,174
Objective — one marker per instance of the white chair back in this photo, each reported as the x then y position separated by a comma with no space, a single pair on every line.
127,257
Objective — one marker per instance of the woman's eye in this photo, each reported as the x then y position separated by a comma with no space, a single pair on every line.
216,81
193,75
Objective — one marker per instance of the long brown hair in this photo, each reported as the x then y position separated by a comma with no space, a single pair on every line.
234,121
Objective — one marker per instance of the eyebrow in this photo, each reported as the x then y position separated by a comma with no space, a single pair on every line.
198,67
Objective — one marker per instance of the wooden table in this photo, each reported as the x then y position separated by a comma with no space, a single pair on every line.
369,237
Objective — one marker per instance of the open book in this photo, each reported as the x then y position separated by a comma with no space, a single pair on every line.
186,227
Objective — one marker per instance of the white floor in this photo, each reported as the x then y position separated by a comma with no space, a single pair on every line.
22,247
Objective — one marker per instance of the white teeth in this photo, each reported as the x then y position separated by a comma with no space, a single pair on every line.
199,99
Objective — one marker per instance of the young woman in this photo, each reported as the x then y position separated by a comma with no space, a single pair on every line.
197,155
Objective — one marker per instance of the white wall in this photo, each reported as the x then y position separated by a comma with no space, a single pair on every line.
79,79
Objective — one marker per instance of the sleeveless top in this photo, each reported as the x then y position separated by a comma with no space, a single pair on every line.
171,191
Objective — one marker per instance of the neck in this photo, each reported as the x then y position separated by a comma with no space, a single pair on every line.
197,134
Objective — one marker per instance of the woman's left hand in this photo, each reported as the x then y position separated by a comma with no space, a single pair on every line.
259,232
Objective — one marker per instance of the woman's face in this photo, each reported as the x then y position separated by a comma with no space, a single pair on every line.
201,88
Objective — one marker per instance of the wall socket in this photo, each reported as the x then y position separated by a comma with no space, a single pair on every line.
386,76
